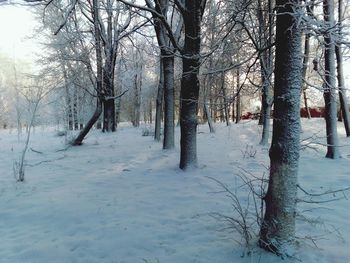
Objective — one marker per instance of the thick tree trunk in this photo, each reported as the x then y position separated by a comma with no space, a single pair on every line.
278,227
188,115
109,124
329,85
340,75
109,116
159,102
190,83
169,103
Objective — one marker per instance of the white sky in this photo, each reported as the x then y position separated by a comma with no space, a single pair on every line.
16,26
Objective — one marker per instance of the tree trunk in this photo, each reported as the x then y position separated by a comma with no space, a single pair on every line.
261,115
159,102
150,111
340,75
266,113
305,65
233,112
96,115
75,109
169,103
108,101
119,89
88,126
329,85
278,227
266,64
210,121
207,114
309,9
137,100
226,111
68,100
238,97
188,114
190,83
109,115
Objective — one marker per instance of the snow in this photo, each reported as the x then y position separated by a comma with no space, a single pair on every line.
121,198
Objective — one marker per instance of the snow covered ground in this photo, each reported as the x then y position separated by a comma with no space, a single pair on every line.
120,198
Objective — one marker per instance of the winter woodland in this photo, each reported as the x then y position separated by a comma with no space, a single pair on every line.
176,131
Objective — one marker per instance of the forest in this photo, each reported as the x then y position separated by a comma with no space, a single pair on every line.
163,131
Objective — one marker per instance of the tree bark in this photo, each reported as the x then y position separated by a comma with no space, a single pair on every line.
159,102
206,111
68,99
88,126
278,227
190,83
238,96
226,111
305,66
329,93
340,75
109,124
169,103
167,60
309,10
266,65
75,109
137,101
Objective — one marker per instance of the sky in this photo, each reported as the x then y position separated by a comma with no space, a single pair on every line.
16,26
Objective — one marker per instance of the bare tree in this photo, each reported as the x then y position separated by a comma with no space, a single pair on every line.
192,13
79,139
167,57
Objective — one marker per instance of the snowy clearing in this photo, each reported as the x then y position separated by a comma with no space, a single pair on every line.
120,198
